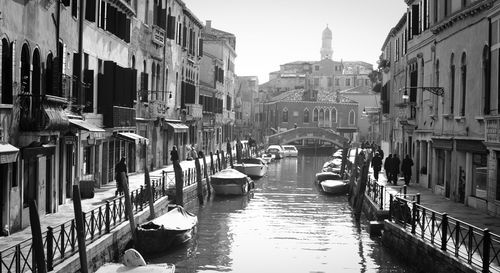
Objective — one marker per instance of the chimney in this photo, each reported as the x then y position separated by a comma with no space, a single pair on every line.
208,24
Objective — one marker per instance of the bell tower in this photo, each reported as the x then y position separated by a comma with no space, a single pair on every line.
326,45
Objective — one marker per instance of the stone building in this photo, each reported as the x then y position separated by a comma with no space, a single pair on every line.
246,107
311,108
217,85
448,106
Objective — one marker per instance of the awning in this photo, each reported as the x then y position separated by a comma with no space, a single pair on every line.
8,153
132,137
84,125
56,118
178,127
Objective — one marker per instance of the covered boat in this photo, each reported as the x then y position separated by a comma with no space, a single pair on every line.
173,228
267,158
332,182
253,167
231,182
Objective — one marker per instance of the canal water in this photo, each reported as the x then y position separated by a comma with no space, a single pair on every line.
286,225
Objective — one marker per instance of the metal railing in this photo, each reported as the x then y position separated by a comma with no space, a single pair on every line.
60,241
475,246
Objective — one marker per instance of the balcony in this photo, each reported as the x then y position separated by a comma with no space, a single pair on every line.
194,111
218,118
492,129
121,117
228,116
157,108
42,112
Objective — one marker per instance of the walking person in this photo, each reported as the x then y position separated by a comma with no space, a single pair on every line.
406,169
395,168
376,165
120,167
387,168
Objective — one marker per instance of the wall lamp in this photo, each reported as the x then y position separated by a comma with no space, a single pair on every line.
434,90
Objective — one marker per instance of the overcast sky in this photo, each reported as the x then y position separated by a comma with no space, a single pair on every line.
273,32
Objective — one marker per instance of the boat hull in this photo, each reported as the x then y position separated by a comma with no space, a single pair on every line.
231,189
252,170
174,228
150,268
334,186
231,182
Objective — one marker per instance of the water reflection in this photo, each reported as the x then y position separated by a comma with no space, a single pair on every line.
285,226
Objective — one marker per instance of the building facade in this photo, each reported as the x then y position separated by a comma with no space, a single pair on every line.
446,102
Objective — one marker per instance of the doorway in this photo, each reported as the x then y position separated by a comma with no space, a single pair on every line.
69,169
48,182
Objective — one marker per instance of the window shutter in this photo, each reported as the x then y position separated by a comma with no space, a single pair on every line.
90,10
184,37
171,28
88,78
200,46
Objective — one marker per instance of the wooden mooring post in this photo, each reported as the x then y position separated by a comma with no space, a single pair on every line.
205,170
128,205
230,154
36,233
212,168
360,193
179,183
80,228
199,180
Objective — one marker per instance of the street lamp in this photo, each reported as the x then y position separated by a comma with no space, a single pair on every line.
405,96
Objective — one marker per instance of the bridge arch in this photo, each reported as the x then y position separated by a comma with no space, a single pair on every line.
308,133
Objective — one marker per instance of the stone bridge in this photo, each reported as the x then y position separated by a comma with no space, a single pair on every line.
308,133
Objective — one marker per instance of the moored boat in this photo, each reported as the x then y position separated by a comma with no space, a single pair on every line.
253,167
133,262
231,182
173,228
335,186
267,158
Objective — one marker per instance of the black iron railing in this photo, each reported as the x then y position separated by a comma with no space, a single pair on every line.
477,247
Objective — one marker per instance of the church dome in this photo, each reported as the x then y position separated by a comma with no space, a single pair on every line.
327,33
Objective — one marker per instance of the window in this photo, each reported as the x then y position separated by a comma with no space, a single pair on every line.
435,101
285,115
6,96
74,8
327,118
452,84
321,117
334,115
486,80
479,175
315,115
337,82
440,154
463,86
330,82
87,160
306,115
348,82
316,82
352,116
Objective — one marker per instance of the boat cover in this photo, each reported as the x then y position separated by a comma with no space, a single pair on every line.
333,183
327,176
176,219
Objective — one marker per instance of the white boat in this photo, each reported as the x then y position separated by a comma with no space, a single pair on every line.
337,186
253,167
267,158
231,182
133,262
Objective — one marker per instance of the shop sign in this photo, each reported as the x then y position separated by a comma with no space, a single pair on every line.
8,157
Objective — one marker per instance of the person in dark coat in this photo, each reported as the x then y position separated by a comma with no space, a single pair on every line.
376,165
387,168
174,155
380,152
406,169
395,168
120,167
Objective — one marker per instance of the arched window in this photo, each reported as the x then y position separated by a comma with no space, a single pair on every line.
327,118
25,69
35,84
486,80
352,117
463,83
315,115
6,72
284,115
306,115
334,115
133,62
452,83
321,119
49,75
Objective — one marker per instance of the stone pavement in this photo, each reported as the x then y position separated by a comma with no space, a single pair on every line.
103,194
441,204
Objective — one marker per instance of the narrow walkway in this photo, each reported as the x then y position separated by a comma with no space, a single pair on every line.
441,204
66,211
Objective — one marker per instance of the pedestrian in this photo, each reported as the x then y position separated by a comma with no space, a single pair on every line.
174,156
406,169
120,167
387,168
376,165
395,168
380,152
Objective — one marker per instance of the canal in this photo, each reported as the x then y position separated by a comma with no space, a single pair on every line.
286,225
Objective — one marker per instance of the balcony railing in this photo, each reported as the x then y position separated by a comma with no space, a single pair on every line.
492,129
42,112
122,117
194,111
157,108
